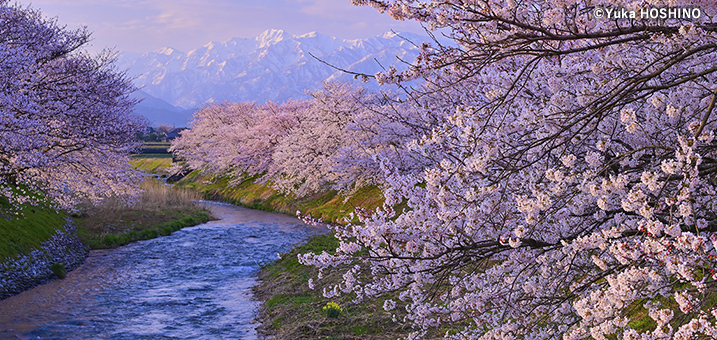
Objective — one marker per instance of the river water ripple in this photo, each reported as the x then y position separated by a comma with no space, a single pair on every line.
193,284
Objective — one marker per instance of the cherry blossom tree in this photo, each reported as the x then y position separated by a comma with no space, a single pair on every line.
340,138
306,157
164,129
66,127
573,179
237,139
333,141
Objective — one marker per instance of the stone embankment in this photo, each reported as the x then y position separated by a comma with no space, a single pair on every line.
33,269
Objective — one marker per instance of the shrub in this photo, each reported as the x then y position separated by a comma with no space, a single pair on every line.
58,269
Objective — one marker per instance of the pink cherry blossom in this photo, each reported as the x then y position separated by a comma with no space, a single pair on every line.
66,122
571,177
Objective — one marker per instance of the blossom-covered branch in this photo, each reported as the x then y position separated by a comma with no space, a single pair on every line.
573,178
66,127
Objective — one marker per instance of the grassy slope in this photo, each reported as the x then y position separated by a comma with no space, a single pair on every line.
331,206
99,232
99,227
152,163
21,234
293,311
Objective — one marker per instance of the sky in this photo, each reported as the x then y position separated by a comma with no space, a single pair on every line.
148,25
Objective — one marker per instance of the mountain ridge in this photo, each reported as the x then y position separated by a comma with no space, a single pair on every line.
274,66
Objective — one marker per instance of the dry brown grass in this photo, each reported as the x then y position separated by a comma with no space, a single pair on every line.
158,205
155,196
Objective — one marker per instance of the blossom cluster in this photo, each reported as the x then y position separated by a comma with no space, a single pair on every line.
334,140
571,181
66,122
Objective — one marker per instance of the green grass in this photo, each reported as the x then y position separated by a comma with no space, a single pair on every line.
641,321
20,234
330,206
293,311
152,163
59,270
289,299
133,231
159,211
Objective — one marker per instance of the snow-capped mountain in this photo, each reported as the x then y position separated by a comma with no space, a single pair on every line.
274,66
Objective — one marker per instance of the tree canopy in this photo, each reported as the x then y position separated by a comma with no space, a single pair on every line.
558,166
66,126
573,178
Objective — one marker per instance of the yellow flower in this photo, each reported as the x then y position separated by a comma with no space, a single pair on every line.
332,309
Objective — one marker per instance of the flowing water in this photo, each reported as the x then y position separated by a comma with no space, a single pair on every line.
193,284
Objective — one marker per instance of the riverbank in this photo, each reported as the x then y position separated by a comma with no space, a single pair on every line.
330,206
41,244
290,309
159,211
37,244
36,247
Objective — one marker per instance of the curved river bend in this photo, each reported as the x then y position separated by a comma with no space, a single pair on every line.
193,284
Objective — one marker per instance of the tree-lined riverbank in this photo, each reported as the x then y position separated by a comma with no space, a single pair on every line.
194,283
290,309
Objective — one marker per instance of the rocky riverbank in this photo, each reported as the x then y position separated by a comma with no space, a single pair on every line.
30,270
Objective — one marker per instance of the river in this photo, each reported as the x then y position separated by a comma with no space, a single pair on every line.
193,284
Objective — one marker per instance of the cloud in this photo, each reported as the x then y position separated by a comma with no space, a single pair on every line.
146,25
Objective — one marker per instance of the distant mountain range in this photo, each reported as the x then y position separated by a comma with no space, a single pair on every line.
275,66
159,111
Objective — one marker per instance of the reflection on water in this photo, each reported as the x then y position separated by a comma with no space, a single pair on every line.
193,284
